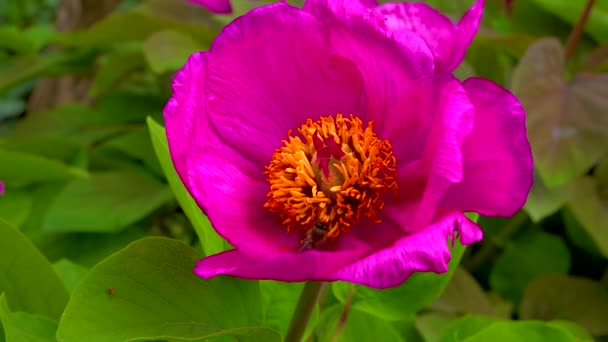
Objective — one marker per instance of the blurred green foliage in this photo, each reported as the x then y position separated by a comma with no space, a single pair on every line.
88,172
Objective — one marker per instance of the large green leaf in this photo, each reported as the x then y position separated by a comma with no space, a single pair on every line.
212,243
148,292
27,278
25,327
482,330
590,211
563,297
106,202
525,258
465,327
567,125
402,301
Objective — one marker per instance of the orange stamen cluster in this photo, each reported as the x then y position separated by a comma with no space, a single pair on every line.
330,176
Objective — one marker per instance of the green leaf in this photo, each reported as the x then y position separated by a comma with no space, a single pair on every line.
465,327
563,297
25,327
463,295
512,331
571,11
106,202
580,334
212,243
590,211
70,273
27,278
402,301
15,206
168,50
154,295
21,169
359,326
525,258
567,125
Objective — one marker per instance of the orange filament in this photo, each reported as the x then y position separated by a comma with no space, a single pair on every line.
330,176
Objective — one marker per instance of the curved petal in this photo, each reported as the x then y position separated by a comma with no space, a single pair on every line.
269,71
427,127
215,6
426,251
447,41
187,126
234,201
291,267
389,64
497,156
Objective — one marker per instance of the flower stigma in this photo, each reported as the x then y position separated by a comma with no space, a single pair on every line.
328,177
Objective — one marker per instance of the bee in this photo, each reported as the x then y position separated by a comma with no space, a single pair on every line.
314,237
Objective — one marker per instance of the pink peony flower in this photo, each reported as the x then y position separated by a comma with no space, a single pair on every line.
215,6
330,144
2,188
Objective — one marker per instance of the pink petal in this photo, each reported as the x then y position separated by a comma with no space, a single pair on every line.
187,124
215,6
2,188
268,72
497,156
426,251
447,41
234,201
426,128
389,64
310,265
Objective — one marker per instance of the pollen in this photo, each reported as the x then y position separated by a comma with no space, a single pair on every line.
328,176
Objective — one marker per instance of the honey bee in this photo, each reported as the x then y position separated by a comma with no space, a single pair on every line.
314,237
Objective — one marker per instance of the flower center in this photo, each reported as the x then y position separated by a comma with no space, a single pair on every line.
328,177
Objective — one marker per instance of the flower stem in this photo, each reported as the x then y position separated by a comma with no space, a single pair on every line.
301,315
577,31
